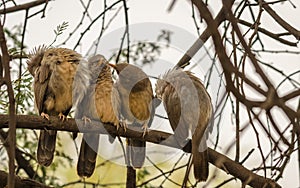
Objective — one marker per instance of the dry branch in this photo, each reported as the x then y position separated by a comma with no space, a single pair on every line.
5,59
22,7
202,39
22,162
24,183
153,136
268,33
293,31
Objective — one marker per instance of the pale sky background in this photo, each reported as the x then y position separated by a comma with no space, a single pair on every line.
40,31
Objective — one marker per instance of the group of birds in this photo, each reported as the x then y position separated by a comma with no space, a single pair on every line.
64,79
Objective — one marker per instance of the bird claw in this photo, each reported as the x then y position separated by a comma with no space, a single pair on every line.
62,116
46,116
146,129
122,124
86,119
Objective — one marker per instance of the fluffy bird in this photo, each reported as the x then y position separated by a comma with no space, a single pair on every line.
189,109
136,107
53,70
93,91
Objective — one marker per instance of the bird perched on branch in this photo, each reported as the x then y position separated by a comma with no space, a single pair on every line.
189,109
136,107
53,70
93,91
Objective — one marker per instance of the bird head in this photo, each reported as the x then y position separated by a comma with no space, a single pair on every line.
160,88
98,64
168,81
128,71
119,67
131,76
60,59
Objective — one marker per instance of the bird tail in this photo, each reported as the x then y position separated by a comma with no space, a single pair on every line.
46,147
88,155
200,160
131,177
136,152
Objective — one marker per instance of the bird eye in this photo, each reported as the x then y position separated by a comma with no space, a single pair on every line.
74,61
50,54
58,62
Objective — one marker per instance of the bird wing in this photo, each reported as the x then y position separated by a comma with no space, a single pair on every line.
40,73
172,104
81,85
181,103
203,115
116,103
42,77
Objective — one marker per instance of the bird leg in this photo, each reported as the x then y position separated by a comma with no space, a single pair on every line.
62,116
145,128
46,116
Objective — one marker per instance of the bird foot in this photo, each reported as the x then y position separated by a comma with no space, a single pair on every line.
146,129
122,124
62,117
86,119
46,116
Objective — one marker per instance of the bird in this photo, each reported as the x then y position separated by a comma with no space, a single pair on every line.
53,70
189,109
136,107
93,91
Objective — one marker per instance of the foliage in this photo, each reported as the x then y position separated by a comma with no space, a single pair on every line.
145,52
59,31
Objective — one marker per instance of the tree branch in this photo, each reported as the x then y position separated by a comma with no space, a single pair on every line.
21,161
22,7
240,172
153,136
293,31
201,40
5,59
24,183
268,33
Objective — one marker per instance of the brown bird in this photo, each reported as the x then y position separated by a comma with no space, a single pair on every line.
53,70
136,107
189,109
93,88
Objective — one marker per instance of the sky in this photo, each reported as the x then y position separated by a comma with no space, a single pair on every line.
146,18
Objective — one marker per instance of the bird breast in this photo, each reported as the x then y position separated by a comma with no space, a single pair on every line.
61,84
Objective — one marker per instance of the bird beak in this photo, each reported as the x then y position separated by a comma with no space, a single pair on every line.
113,66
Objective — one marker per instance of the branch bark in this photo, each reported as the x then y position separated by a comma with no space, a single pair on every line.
268,33
293,31
24,183
22,7
202,39
21,161
5,59
217,159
